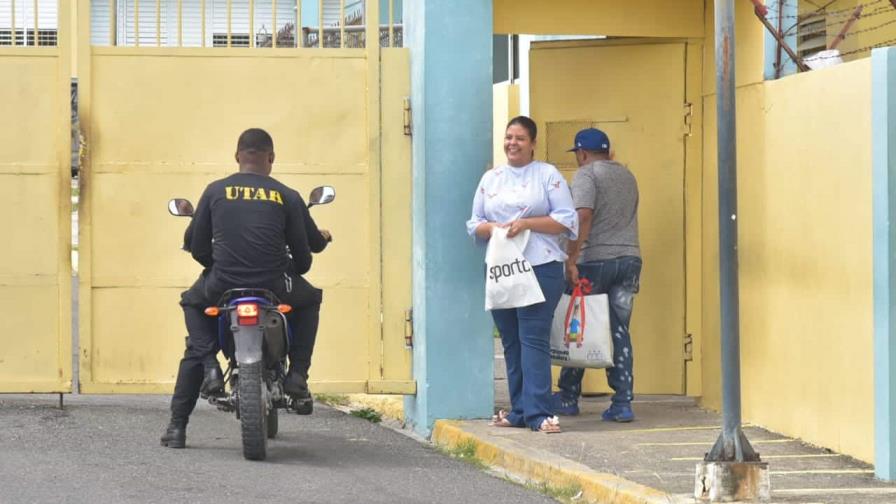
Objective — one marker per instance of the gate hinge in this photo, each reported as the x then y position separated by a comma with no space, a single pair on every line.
409,328
688,347
688,115
407,115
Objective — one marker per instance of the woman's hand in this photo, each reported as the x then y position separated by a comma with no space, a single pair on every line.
572,273
516,227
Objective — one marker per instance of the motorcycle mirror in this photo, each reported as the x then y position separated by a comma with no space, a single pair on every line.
321,196
180,207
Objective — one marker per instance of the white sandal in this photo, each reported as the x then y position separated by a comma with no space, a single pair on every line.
550,425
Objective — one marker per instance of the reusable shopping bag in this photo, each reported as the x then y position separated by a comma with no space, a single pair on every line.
510,281
580,331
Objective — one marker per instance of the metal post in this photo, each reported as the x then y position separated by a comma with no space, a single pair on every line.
136,23
727,168
320,24
251,23
732,444
202,29
731,471
229,23
158,23
779,64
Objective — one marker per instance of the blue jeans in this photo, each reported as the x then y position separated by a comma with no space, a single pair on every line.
619,278
525,334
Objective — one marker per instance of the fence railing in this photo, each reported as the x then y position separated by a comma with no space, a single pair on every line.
29,23
351,36
240,23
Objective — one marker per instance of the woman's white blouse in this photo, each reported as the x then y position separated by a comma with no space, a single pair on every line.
506,193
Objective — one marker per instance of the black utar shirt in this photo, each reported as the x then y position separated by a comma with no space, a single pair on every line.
252,218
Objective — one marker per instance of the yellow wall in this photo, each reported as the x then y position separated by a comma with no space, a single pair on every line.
804,175
622,18
35,195
506,106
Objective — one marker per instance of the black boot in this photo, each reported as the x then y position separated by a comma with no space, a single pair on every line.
296,386
213,383
176,435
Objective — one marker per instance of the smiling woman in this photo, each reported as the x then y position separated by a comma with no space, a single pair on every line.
531,196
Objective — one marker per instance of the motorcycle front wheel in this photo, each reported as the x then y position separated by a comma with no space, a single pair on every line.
252,409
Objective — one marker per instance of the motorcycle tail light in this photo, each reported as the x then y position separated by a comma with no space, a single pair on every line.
247,314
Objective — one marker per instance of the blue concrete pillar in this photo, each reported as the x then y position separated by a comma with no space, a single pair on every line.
451,99
883,130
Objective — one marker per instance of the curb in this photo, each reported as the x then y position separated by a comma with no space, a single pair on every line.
543,467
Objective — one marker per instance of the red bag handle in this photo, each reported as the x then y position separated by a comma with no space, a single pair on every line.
582,288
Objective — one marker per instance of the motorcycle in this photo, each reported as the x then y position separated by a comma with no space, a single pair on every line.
254,335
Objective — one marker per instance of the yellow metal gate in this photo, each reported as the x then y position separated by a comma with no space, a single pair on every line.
35,201
635,91
162,122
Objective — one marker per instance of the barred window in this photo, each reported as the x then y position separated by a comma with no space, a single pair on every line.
20,25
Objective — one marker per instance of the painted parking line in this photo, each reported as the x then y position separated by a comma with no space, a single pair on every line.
823,471
674,429
767,457
835,491
709,445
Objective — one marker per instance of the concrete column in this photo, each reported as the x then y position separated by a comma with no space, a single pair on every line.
883,131
451,99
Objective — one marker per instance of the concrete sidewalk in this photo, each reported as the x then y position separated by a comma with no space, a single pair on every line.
653,459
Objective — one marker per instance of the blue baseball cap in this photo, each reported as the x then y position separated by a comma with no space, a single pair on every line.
591,139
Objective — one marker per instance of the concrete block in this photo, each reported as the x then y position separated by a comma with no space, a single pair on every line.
732,482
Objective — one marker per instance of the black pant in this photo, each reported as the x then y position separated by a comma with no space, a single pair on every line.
202,340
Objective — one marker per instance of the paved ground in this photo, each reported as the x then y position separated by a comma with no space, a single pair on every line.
670,436
105,449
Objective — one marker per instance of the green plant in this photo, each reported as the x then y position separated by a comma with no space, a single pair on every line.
368,414
332,399
567,493
465,451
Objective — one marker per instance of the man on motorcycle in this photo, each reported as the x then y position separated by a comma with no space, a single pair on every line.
240,232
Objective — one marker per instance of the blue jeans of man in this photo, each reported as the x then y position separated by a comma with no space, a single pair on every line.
526,336
619,278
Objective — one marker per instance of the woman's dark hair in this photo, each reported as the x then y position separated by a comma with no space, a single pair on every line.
526,123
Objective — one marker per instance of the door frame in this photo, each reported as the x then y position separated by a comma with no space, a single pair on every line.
693,191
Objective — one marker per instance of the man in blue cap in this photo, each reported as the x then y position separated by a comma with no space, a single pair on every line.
608,254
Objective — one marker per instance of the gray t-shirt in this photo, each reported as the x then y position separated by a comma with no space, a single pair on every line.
610,189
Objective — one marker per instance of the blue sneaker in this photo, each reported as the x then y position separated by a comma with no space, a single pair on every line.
618,413
564,407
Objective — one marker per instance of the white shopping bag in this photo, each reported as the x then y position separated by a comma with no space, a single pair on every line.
510,281
580,332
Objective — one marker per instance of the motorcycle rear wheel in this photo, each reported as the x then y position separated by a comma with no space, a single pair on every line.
253,416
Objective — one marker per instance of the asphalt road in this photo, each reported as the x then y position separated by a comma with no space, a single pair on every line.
105,449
